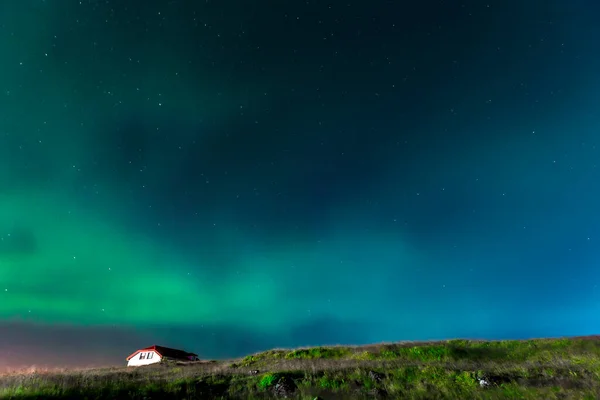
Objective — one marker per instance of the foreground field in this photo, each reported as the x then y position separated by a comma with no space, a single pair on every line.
566,368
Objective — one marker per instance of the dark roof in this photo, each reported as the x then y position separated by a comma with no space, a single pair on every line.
165,352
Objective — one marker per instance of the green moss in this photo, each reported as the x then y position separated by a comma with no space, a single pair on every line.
389,354
364,355
561,343
326,382
319,353
532,369
429,353
406,376
267,380
248,361
465,380
512,391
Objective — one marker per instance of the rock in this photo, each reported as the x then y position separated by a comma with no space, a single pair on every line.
376,376
285,387
254,372
493,380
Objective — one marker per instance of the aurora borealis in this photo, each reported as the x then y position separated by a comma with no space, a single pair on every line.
228,177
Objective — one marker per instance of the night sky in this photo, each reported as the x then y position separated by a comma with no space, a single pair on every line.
232,176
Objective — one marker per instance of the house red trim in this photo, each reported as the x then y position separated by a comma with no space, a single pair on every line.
165,352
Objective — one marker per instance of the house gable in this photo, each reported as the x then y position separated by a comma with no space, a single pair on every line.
144,355
153,354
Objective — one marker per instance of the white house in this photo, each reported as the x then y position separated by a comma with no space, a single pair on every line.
154,354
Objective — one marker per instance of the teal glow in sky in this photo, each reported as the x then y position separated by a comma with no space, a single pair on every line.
229,181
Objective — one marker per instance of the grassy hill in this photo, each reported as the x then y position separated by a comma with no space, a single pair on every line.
565,368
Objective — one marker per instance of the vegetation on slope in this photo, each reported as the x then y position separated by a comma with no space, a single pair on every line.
567,368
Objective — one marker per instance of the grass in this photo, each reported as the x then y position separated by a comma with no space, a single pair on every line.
565,368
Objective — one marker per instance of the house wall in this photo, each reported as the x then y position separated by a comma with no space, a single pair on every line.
135,361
